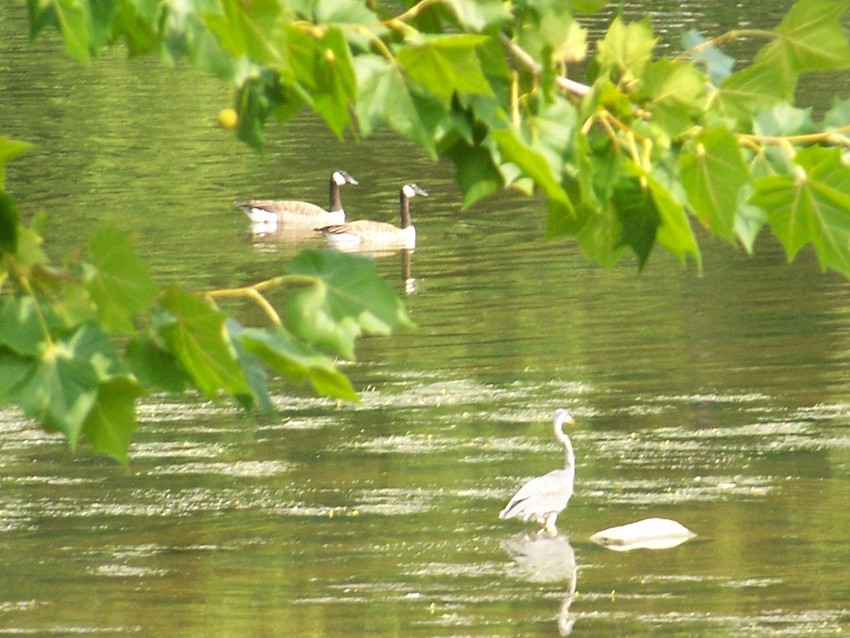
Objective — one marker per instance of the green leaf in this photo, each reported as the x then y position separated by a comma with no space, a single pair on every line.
59,391
475,171
343,12
10,149
91,343
479,15
838,115
534,165
154,366
810,38
650,212
348,14
23,326
713,173
111,422
256,29
298,362
8,223
598,165
120,283
252,369
14,370
626,48
589,6
384,96
811,206
749,220
346,299
553,130
675,232
672,90
185,34
29,249
147,10
444,64
197,338
555,34
601,235
325,74
748,91
784,120
638,217
263,96
71,17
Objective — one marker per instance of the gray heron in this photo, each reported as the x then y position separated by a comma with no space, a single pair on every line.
541,499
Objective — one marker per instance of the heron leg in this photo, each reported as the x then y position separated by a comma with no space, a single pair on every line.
549,524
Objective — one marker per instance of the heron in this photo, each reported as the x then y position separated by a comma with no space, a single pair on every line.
542,498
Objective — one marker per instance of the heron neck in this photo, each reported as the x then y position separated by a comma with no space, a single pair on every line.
569,454
335,200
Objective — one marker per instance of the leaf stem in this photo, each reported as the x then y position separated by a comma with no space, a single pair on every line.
25,284
734,34
379,44
412,12
254,292
834,136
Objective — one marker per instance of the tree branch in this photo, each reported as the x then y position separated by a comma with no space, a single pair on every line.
524,58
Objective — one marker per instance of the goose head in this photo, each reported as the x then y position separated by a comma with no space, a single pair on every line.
412,190
340,178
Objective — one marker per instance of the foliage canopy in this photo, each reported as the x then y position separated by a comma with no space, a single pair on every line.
640,151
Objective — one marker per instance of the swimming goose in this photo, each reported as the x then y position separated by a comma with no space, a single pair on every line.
268,212
364,232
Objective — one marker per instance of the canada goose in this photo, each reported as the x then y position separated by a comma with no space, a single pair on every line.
364,232
269,212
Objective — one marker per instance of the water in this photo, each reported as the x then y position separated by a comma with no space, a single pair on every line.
720,401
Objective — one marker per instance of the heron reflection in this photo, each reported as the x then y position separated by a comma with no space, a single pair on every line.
543,557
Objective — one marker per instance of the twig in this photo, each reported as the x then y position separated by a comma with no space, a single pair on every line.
564,83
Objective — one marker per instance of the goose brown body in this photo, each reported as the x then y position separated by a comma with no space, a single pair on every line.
271,212
374,234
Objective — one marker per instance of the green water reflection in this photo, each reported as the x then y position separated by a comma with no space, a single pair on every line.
720,401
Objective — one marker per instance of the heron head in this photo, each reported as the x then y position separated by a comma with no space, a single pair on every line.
562,415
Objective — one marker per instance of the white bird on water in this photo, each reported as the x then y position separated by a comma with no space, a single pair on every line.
542,498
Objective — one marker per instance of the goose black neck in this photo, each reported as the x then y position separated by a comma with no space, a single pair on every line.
404,207
335,201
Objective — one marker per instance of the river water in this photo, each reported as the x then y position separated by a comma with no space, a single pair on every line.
721,401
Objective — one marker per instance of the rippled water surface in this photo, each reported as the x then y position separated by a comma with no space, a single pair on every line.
721,401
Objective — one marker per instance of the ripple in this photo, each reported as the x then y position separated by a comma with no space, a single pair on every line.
126,571
237,469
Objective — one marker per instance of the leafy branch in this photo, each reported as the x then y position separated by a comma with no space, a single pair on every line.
632,156
78,348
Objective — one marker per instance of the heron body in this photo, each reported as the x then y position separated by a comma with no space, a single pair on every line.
372,234
542,498
270,212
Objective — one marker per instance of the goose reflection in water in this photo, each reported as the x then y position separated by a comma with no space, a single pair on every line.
543,557
268,241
